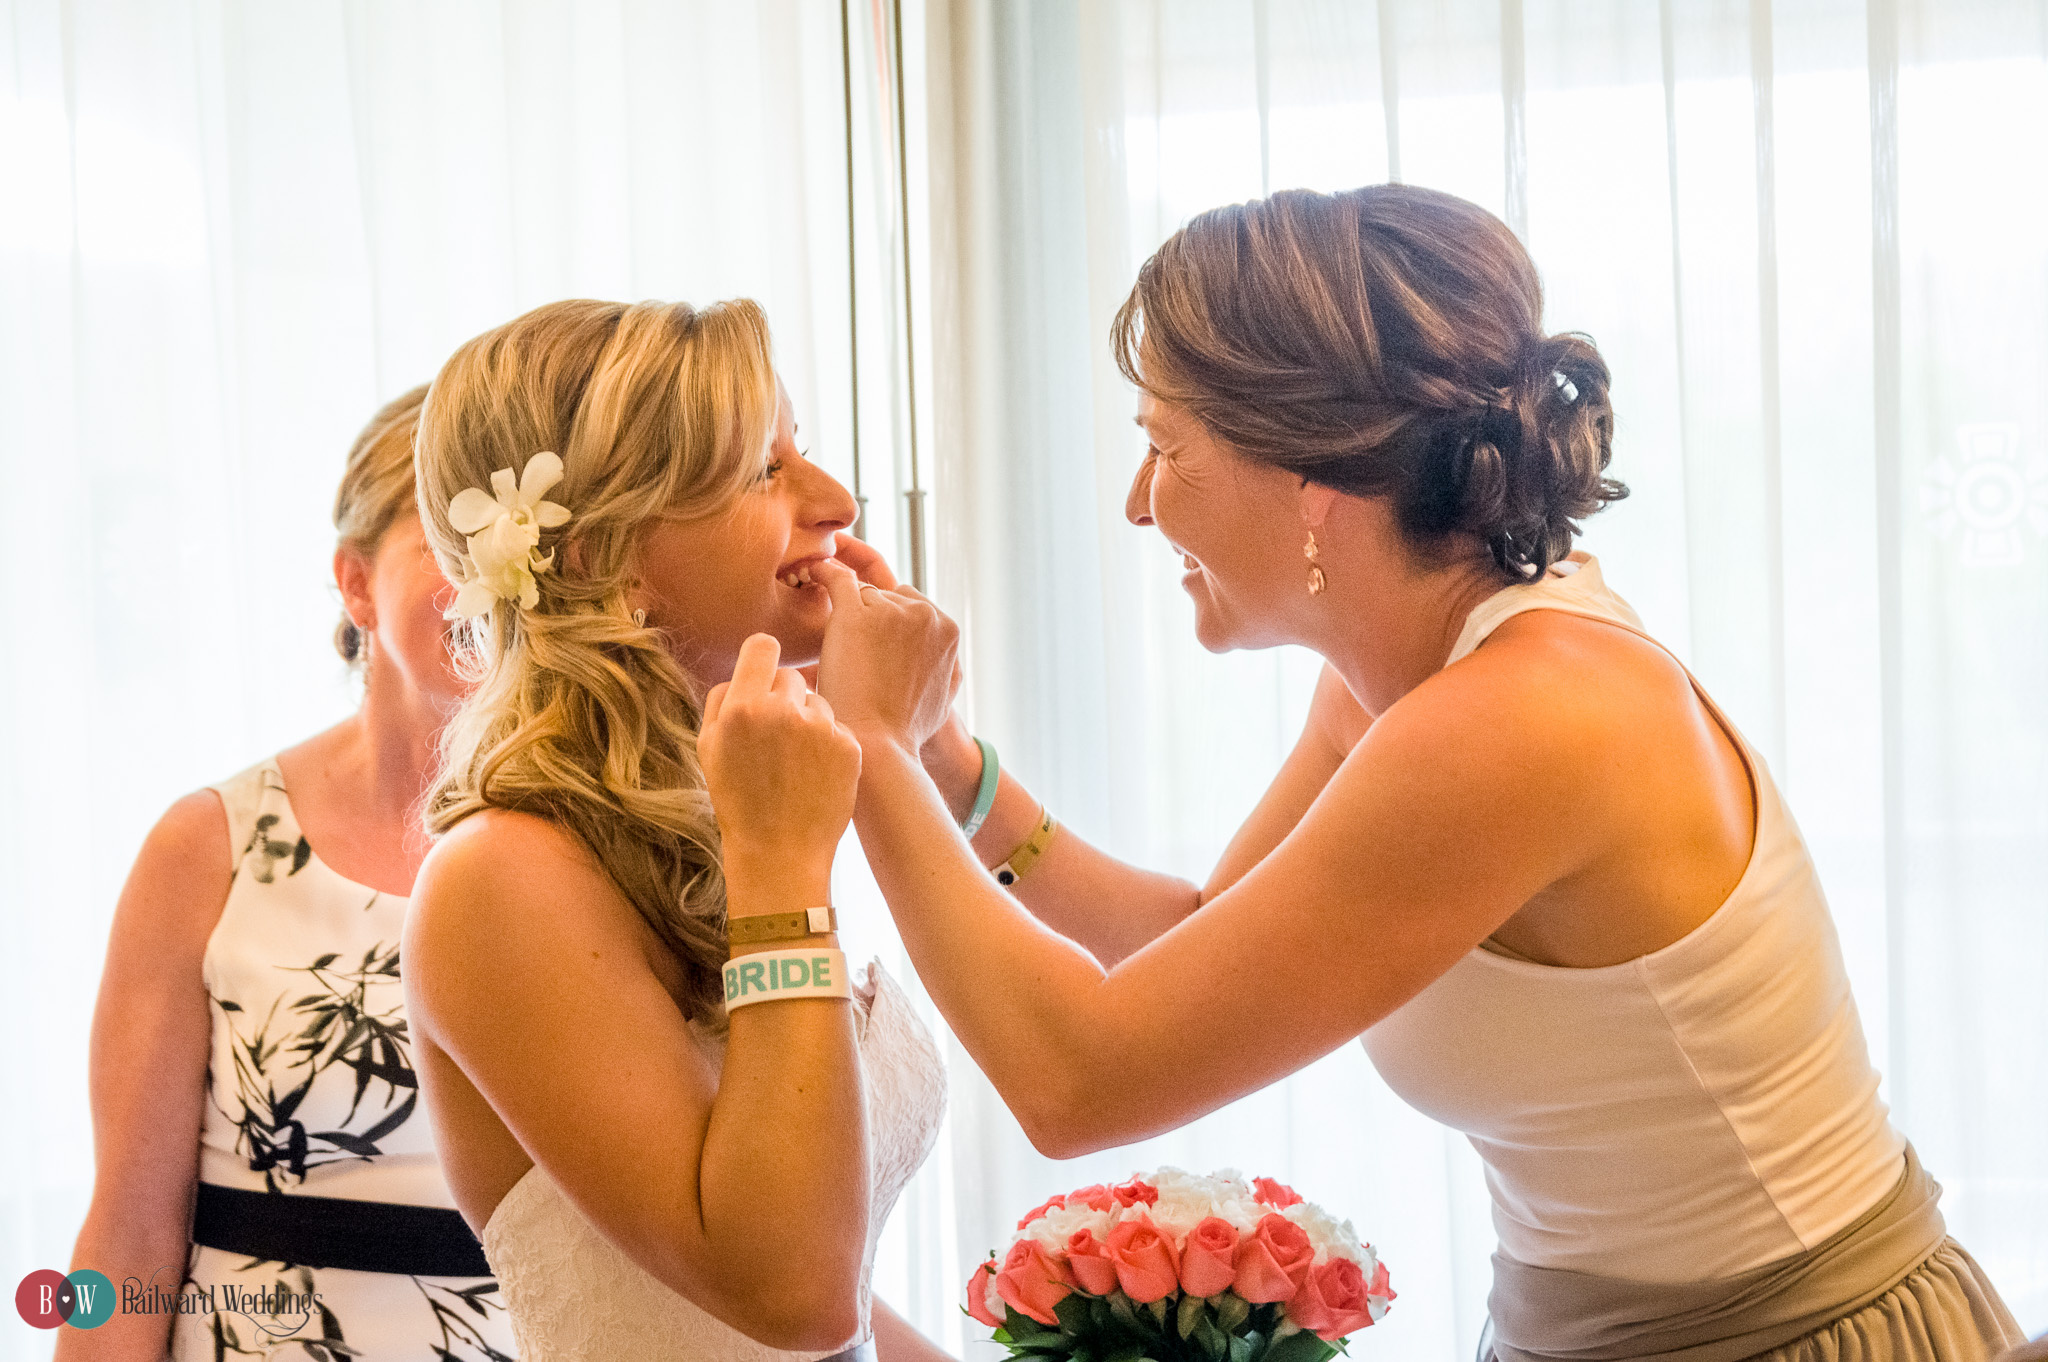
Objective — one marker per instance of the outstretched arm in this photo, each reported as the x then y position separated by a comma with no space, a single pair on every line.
1327,934
1110,906
897,1340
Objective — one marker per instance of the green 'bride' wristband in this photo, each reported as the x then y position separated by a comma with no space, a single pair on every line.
985,797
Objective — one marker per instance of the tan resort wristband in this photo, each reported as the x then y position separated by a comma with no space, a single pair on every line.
1026,856
753,930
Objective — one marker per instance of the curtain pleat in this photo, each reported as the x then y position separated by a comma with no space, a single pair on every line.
1786,222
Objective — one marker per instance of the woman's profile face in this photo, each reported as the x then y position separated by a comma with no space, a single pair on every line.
1236,524
711,581
397,597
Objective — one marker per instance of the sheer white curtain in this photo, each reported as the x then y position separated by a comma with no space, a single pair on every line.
1808,237
1806,234
229,231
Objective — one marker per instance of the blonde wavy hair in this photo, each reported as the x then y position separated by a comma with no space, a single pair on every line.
577,714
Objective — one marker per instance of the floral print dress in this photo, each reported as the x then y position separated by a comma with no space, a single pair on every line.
311,1093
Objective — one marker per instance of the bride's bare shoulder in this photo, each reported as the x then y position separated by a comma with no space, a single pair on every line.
497,833
508,873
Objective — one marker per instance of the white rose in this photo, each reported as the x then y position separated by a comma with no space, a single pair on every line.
1185,1201
1056,1226
1329,1236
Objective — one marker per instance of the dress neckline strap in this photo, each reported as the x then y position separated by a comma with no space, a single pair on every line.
1573,584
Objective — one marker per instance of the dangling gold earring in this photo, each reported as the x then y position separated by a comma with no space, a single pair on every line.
1316,580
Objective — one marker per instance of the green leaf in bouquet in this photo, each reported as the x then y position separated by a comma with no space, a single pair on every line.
1158,1309
1214,1343
1024,1330
1243,1347
1126,1312
1232,1310
1076,1313
1300,1347
1191,1309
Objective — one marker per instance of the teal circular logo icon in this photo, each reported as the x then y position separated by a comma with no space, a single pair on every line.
92,1299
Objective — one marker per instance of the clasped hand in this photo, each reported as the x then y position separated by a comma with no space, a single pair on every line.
781,770
781,760
890,663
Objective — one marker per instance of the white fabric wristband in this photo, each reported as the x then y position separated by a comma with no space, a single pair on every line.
773,976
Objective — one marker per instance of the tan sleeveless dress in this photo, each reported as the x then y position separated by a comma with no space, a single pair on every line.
1686,1152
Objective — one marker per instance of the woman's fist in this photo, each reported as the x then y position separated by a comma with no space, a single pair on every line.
781,770
890,661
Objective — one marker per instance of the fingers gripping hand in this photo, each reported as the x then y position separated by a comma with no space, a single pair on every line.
866,561
868,564
890,659
780,768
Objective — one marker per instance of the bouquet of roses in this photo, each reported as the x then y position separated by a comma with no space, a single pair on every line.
1173,1267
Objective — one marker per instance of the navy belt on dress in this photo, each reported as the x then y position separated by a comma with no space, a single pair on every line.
318,1231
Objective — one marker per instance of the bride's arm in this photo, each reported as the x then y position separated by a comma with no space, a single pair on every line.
744,1188
1107,905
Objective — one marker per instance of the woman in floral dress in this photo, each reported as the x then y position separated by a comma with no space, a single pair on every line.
266,1181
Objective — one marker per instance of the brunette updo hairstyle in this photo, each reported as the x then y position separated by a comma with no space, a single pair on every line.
376,488
1383,341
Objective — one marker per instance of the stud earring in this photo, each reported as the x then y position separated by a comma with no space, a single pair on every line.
640,619
1316,580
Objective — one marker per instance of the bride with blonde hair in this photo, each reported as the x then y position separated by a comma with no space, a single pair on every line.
656,1167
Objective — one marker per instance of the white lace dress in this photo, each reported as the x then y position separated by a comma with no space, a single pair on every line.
575,1297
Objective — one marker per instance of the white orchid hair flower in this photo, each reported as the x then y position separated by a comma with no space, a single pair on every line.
504,528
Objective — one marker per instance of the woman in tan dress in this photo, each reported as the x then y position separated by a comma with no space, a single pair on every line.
1517,850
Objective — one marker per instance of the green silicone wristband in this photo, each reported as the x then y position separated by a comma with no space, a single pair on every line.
985,797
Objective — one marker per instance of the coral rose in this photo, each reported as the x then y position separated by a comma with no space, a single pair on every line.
1095,1198
1207,1260
1144,1259
1382,1285
978,1283
1273,1263
1051,1204
1132,1192
1278,1195
1332,1302
1033,1282
1089,1262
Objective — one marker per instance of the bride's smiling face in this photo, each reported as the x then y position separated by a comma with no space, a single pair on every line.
711,581
1236,524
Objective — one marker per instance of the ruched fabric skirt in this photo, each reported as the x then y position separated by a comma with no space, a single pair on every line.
1890,1287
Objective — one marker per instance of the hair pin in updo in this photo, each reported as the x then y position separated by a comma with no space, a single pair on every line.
1565,386
503,526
